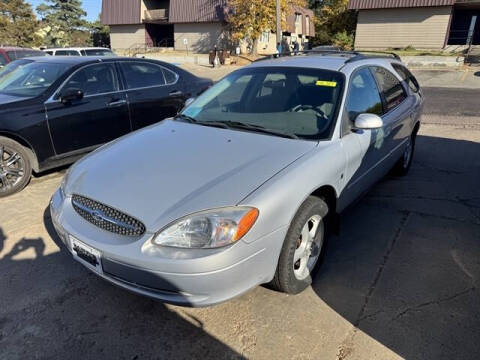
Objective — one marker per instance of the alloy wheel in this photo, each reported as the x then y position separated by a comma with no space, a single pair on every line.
12,168
309,246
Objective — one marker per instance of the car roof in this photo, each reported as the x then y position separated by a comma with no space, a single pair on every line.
77,48
327,60
78,60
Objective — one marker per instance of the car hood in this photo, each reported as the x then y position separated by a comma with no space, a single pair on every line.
7,99
173,169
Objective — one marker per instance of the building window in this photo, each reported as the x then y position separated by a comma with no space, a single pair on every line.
298,23
265,37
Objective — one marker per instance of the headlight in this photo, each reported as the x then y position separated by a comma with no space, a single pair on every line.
208,229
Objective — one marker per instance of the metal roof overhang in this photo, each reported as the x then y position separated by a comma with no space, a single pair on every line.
386,4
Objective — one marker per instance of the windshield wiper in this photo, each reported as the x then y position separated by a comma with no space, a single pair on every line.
257,128
227,124
191,120
186,118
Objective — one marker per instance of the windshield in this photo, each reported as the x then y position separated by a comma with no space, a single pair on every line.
30,79
12,66
20,54
98,52
296,102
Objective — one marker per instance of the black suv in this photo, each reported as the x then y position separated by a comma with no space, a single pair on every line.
53,110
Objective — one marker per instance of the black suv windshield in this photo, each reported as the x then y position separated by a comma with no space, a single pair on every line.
295,102
31,79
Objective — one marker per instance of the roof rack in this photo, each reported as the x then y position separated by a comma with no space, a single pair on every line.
354,55
306,52
365,54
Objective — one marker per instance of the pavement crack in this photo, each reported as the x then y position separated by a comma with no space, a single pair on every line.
470,207
381,268
432,302
346,346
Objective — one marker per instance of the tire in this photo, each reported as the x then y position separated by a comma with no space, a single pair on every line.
292,277
403,165
15,167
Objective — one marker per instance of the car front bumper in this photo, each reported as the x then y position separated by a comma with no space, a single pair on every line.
178,276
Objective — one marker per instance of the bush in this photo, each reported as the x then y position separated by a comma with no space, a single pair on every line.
343,40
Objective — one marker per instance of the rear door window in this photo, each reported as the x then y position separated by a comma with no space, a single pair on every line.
142,74
3,62
391,88
407,76
363,95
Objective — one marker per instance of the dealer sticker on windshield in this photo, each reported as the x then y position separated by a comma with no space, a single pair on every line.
326,83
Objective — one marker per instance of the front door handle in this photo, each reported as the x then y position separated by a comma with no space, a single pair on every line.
117,103
176,93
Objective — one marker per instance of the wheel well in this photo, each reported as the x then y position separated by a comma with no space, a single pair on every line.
416,128
328,194
31,154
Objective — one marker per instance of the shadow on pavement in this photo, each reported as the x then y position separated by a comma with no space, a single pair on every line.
405,267
52,307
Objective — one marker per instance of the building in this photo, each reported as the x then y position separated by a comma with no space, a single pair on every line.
194,25
421,24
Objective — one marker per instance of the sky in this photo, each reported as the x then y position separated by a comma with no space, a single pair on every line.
92,7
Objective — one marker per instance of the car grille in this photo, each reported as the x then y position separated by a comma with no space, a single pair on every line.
106,217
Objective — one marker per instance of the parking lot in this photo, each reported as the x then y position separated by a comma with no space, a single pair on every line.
400,280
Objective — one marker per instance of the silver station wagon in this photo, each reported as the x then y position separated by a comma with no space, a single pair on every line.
242,187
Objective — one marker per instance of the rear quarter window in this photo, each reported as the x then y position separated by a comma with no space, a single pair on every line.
408,77
390,86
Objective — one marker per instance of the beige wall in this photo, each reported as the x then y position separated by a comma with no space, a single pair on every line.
201,37
422,28
126,36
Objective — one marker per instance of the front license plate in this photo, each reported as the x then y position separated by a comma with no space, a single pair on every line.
86,254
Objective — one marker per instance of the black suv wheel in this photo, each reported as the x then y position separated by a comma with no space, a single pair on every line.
15,168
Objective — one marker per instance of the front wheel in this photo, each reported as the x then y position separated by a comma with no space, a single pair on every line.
302,248
15,168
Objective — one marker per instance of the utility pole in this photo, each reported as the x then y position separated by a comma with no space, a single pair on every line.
279,22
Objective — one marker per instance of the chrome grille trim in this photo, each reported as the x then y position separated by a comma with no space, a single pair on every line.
106,217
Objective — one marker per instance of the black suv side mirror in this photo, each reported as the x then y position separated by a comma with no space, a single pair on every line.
70,94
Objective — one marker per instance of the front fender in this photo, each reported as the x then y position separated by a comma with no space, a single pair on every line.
279,198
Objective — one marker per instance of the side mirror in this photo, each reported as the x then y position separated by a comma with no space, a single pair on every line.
189,101
368,122
70,94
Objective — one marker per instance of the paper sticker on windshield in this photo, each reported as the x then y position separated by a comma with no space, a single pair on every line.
326,83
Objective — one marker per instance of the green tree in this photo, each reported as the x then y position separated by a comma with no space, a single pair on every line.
61,19
248,19
100,34
18,24
334,23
